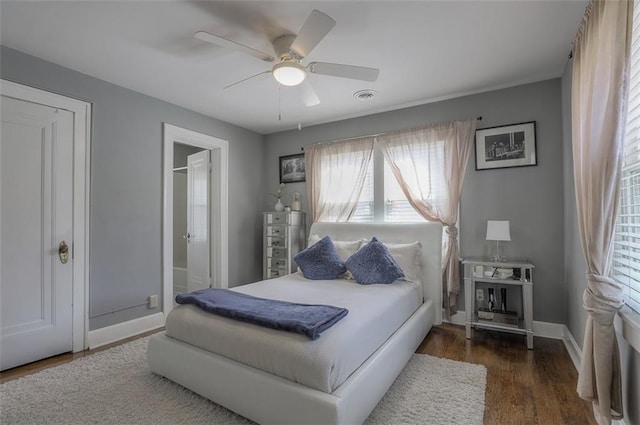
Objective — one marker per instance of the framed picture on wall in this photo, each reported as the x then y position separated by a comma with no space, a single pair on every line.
292,168
506,146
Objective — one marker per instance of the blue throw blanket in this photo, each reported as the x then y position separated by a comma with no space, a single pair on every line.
306,319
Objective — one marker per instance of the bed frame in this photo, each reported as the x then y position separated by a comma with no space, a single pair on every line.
269,399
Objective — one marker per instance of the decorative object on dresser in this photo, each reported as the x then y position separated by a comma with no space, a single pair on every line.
498,230
506,146
503,274
279,207
296,205
284,237
292,168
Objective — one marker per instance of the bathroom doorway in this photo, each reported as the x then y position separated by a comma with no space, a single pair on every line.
191,206
195,230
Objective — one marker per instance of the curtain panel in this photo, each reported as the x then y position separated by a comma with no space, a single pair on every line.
599,92
336,173
429,164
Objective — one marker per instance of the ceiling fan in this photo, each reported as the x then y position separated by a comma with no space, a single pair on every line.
290,50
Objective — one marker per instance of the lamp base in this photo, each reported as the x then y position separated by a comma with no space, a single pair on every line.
498,257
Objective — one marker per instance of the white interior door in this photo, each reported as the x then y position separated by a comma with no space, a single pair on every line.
36,216
198,181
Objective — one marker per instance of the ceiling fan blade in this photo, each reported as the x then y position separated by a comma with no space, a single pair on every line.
248,78
314,29
223,42
309,96
344,71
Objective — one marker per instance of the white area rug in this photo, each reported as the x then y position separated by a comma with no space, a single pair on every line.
116,387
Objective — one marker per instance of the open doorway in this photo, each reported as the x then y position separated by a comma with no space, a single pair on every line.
191,206
195,230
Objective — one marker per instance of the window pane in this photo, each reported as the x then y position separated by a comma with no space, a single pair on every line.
364,210
626,255
344,168
396,206
422,169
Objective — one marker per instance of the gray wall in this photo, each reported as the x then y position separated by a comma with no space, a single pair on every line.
530,197
576,267
126,186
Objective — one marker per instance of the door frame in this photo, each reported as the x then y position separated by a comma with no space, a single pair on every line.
81,111
219,213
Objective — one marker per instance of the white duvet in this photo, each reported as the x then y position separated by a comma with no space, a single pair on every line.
375,313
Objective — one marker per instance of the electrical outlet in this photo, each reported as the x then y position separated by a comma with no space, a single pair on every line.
153,301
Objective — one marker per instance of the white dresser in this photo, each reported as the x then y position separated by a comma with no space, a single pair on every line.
284,237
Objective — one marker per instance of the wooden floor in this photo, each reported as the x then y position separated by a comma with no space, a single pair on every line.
523,386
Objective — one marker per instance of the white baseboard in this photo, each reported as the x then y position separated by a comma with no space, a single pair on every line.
548,330
120,331
573,348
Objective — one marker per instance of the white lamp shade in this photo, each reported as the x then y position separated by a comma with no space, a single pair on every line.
498,230
289,73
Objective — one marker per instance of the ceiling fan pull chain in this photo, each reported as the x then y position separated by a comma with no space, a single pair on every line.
279,104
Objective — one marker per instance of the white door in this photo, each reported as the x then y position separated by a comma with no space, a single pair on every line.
198,221
36,199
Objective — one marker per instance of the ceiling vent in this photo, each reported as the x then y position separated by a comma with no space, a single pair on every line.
365,95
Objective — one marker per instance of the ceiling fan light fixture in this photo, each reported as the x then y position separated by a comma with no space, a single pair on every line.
289,73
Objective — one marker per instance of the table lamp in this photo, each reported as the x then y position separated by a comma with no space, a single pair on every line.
498,230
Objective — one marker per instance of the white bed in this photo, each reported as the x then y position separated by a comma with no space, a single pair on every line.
267,398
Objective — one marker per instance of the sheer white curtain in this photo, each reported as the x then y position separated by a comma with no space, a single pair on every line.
429,164
599,91
335,176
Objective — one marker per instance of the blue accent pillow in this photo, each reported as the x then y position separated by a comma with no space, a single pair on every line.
320,261
373,264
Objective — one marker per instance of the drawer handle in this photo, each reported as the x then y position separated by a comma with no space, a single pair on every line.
276,252
275,243
275,231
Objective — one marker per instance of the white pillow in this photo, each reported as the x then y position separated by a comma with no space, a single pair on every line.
344,249
407,255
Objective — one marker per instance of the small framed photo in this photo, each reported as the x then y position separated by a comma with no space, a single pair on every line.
506,146
292,168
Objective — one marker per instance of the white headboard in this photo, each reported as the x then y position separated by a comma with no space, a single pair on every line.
428,234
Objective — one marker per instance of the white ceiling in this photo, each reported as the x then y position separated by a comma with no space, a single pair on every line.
425,50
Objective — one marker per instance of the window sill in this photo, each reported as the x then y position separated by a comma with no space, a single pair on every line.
627,323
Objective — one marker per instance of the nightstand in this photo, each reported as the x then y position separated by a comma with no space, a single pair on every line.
498,277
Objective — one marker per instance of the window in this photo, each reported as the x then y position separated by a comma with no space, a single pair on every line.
626,256
350,179
388,204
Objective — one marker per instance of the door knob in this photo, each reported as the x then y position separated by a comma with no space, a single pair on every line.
187,237
63,252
